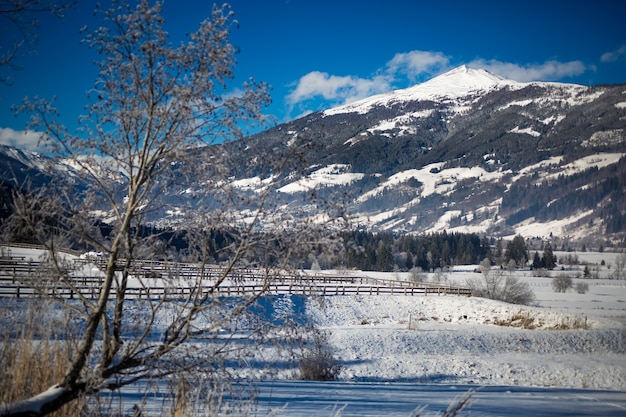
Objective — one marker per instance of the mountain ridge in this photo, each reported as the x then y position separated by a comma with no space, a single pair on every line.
458,82
498,129
494,156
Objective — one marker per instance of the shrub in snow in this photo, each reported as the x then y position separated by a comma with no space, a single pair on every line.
562,283
619,271
522,320
495,285
318,363
439,276
582,288
541,273
508,289
417,275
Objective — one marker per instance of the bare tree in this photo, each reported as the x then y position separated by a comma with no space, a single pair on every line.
562,283
619,271
154,109
498,286
20,26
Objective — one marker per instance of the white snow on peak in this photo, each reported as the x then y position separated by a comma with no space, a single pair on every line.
453,84
461,81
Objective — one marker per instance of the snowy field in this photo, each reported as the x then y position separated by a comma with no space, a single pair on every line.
403,352
452,345
455,339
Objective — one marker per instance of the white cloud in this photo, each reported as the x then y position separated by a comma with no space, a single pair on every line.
548,71
23,139
616,55
346,89
342,89
416,63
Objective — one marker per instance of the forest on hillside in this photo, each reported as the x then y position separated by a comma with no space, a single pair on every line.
388,252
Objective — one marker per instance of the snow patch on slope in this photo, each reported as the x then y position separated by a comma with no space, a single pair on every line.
402,122
525,131
530,227
331,175
256,184
543,165
434,180
600,161
520,103
605,137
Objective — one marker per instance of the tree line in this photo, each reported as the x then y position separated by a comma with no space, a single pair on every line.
386,251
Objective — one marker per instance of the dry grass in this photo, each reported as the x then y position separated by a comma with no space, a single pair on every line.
521,320
573,323
32,360
191,395
525,320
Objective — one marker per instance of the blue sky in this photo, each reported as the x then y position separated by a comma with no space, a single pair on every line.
318,53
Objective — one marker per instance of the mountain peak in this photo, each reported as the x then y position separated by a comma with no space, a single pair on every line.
467,75
460,81
455,83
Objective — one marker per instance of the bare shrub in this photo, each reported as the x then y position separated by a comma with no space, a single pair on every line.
581,287
496,286
318,362
526,320
541,273
619,271
416,274
439,276
189,395
562,283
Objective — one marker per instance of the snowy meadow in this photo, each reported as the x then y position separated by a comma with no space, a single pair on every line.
565,355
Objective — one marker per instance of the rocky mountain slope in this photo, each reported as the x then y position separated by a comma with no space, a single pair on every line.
466,151
470,151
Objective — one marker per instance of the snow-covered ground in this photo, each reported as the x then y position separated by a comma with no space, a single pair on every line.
394,348
400,353
454,340
450,339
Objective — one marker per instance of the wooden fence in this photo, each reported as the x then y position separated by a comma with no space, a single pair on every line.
26,278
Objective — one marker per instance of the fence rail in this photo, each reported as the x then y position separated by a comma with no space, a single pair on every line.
27,278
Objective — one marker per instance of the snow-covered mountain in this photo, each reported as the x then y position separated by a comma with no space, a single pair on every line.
470,151
459,83
466,151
